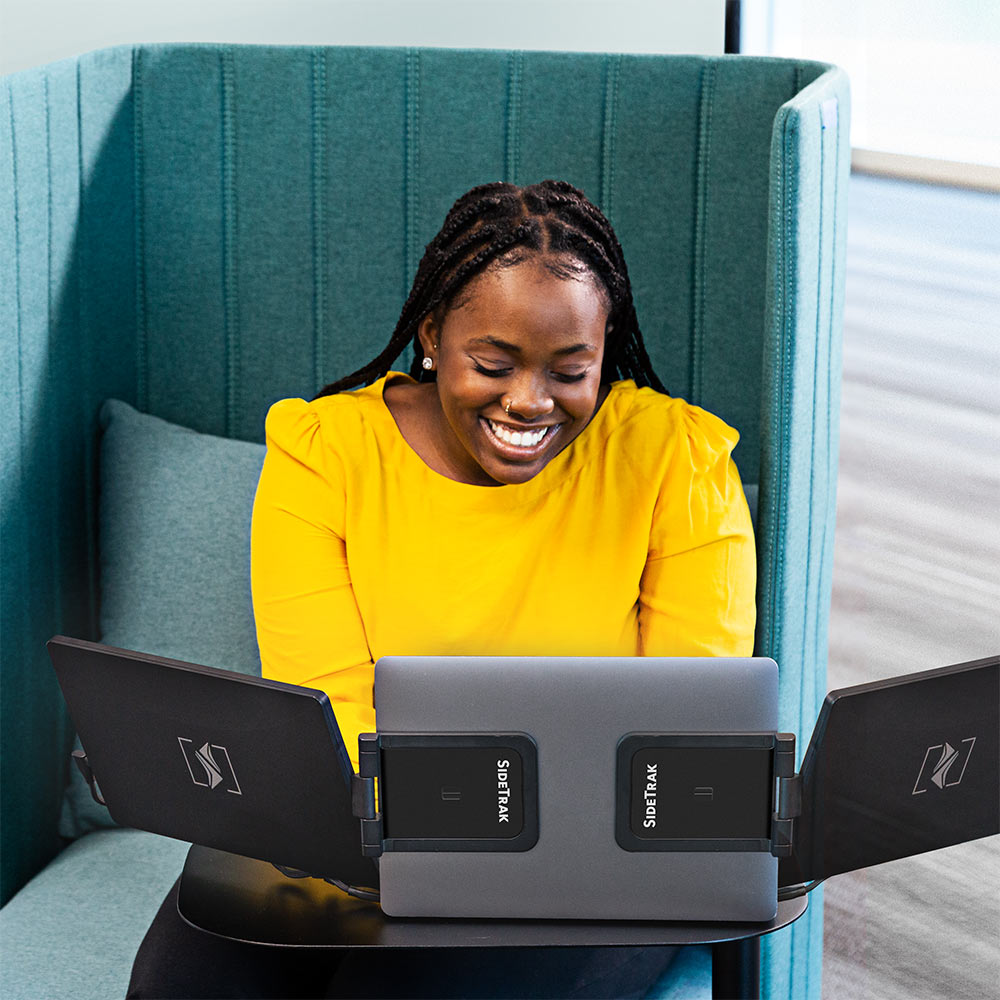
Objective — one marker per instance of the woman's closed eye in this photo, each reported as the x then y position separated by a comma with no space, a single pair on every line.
501,372
570,377
498,372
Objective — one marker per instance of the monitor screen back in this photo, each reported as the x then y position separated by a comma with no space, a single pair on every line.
899,767
238,763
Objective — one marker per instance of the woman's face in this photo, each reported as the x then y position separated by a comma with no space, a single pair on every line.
524,337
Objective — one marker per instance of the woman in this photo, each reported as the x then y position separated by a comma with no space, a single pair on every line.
528,489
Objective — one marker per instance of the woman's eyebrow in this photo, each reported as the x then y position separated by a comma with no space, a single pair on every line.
514,349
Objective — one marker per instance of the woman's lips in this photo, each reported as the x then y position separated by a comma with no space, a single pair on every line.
524,442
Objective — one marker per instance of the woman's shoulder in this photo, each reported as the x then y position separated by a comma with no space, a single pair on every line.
300,426
646,421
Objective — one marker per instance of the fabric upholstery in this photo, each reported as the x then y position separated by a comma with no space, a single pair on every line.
200,230
72,931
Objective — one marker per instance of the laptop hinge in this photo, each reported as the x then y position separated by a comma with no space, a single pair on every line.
83,765
364,804
788,797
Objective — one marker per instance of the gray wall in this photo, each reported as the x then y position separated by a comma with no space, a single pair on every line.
45,30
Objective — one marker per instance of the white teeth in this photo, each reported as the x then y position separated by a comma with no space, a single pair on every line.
520,439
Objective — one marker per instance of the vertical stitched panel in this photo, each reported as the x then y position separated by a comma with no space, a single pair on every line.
71,610
51,430
780,445
798,585
29,130
230,257
16,858
274,229
365,185
838,170
106,248
747,95
562,98
653,191
184,222
318,195
139,187
464,121
609,125
31,603
706,98
512,125
10,389
104,266
411,219
66,364
773,366
816,513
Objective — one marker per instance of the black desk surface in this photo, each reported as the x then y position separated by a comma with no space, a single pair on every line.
249,900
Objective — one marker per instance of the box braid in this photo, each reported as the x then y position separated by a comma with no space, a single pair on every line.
502,225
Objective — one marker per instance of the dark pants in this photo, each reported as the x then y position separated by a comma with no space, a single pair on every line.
176,961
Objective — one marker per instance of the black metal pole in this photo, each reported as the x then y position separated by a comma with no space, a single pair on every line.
732,44
736,970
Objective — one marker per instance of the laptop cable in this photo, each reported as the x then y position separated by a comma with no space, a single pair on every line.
352,890
794,891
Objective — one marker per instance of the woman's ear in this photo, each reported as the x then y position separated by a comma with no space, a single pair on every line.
429,333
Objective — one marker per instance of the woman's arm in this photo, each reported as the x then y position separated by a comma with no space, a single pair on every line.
697,593
309,629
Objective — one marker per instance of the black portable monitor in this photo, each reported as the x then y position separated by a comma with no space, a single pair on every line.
897,768
247,765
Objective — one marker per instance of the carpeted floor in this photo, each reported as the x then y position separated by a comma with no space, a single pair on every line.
916,581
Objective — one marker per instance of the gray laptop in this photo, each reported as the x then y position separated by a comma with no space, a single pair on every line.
603,748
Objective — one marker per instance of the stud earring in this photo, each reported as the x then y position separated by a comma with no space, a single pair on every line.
428,364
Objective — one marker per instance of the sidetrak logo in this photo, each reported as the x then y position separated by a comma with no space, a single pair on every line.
218,768
944,766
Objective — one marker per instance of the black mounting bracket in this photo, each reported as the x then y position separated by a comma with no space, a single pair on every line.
83,765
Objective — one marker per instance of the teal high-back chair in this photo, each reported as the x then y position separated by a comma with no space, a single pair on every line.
200,230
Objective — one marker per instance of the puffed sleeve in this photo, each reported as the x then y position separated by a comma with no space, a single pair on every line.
697,593
309,629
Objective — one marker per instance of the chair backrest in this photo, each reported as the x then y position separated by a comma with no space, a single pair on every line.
200,230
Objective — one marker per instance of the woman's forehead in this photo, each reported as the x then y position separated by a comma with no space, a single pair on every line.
527,306
531,277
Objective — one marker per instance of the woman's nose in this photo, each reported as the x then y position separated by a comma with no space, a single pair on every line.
529,396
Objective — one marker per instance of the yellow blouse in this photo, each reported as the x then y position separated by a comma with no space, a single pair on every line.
634,540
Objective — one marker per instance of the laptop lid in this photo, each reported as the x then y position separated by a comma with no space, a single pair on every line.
579,713
243,764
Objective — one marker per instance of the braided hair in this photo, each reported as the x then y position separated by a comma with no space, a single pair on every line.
501,225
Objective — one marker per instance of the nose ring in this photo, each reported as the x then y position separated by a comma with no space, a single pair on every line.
506,409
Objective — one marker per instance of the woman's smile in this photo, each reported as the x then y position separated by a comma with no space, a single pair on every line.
519,440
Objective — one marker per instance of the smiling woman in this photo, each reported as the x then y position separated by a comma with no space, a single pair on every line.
528,489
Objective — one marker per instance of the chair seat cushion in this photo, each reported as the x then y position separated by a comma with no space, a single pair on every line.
74,929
